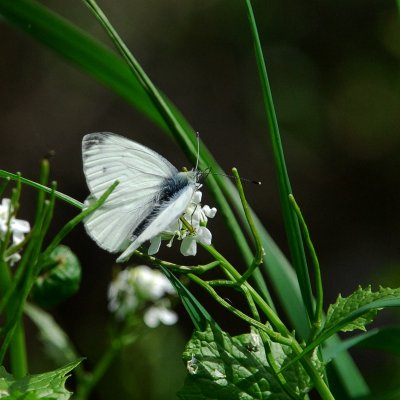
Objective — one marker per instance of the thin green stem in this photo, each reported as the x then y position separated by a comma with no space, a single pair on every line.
267,310
258,258
155,96
291,224
18,355
319,290
59,195
90,381
275,336
3,185
184,269
43,181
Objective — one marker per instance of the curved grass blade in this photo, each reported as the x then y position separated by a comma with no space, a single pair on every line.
386,338
292,226
198,314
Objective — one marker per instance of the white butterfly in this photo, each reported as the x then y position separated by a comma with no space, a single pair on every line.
151,193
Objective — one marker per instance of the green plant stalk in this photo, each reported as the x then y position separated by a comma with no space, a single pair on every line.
18,358
184,269
18,354
268,311
258,258
37,238
319,290
43,181
3,185
271,333
18,287
86,386
59,195
291,224
157,99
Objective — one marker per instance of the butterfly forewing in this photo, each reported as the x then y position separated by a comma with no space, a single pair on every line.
108,157
142,176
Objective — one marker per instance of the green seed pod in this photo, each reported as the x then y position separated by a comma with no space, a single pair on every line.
60,278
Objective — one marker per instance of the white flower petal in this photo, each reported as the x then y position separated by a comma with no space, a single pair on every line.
14,258
204,236
189,246
197,197
20,225
209,212
155,244
156,315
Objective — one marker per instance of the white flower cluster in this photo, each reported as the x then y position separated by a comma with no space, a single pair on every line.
18,228
197,216
142,290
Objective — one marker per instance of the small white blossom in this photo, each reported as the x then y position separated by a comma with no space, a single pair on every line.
155,315
189,243
142,290
18,228
197,216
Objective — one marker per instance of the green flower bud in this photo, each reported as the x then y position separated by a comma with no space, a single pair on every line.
60,278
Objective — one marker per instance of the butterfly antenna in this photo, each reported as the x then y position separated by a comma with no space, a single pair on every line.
242,179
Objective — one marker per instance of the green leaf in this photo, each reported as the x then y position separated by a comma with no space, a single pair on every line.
353,312
60,278
56,342
224,367
360,308
198,314
49,385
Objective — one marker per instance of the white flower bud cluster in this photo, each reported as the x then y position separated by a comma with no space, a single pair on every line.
197,216
142,290
18,228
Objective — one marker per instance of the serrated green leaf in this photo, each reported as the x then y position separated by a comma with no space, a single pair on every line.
224,367
360,308
49,385
55,341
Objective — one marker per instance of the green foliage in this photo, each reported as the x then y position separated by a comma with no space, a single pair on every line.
60,278
224,367
360,308
49,385
56,343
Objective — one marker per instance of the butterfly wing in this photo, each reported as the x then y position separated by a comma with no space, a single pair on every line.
181,188
141,173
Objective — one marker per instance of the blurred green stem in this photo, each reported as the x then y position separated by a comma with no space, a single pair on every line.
18,357
89,381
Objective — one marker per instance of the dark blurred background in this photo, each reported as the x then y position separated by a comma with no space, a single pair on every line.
334,71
